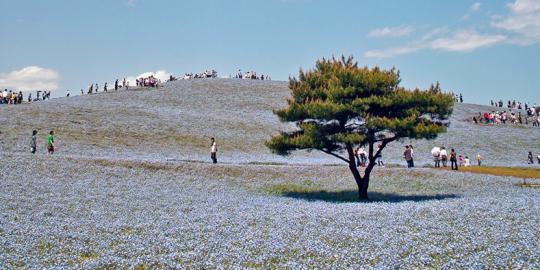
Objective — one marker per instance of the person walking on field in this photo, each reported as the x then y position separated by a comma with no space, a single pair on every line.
530,159
50,143
213,150
33,142
453,160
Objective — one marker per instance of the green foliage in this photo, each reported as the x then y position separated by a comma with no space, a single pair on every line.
338,105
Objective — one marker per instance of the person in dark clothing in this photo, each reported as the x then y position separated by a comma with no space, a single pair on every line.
453,160
33,142
530,159
213,150
116,85
407,155
412,155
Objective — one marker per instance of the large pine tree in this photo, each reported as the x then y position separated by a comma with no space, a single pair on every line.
338,106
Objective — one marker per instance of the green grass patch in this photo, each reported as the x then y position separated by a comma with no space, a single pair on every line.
305,187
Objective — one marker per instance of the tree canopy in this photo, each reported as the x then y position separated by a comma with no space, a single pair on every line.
338,105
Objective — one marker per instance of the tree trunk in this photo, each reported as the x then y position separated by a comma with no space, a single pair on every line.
362,190
360,181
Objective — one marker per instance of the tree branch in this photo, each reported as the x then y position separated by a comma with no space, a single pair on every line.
384,143
333,154
372,156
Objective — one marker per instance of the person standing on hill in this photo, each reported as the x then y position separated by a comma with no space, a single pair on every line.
50,143
378,156
116,85
407,155
412,155
33,142
357,156
479,159
213,150
453,160
466,162
105,88
444,157
363,156
436,152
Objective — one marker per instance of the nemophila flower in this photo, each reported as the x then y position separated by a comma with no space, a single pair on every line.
88,215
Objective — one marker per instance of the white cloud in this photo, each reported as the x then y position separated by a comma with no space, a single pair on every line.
30,78
472,9
475,6
460,41
391,52
131,3
465,41
523,21
391,31
162,75
520,26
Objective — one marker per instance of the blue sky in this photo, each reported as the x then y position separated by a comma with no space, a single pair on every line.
483,49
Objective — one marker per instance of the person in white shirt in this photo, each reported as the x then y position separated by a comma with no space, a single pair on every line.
444,156
436,152
467,162
213,150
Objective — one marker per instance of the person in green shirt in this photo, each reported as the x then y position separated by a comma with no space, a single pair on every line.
50,142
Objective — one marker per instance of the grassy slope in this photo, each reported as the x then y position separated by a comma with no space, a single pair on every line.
175,122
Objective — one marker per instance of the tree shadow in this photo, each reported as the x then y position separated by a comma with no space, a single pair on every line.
348,196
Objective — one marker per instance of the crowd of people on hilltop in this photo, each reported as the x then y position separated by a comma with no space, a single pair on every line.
207,74
513,104
11,97
251,75
458,98
94,88
531,116
15,98
149,81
